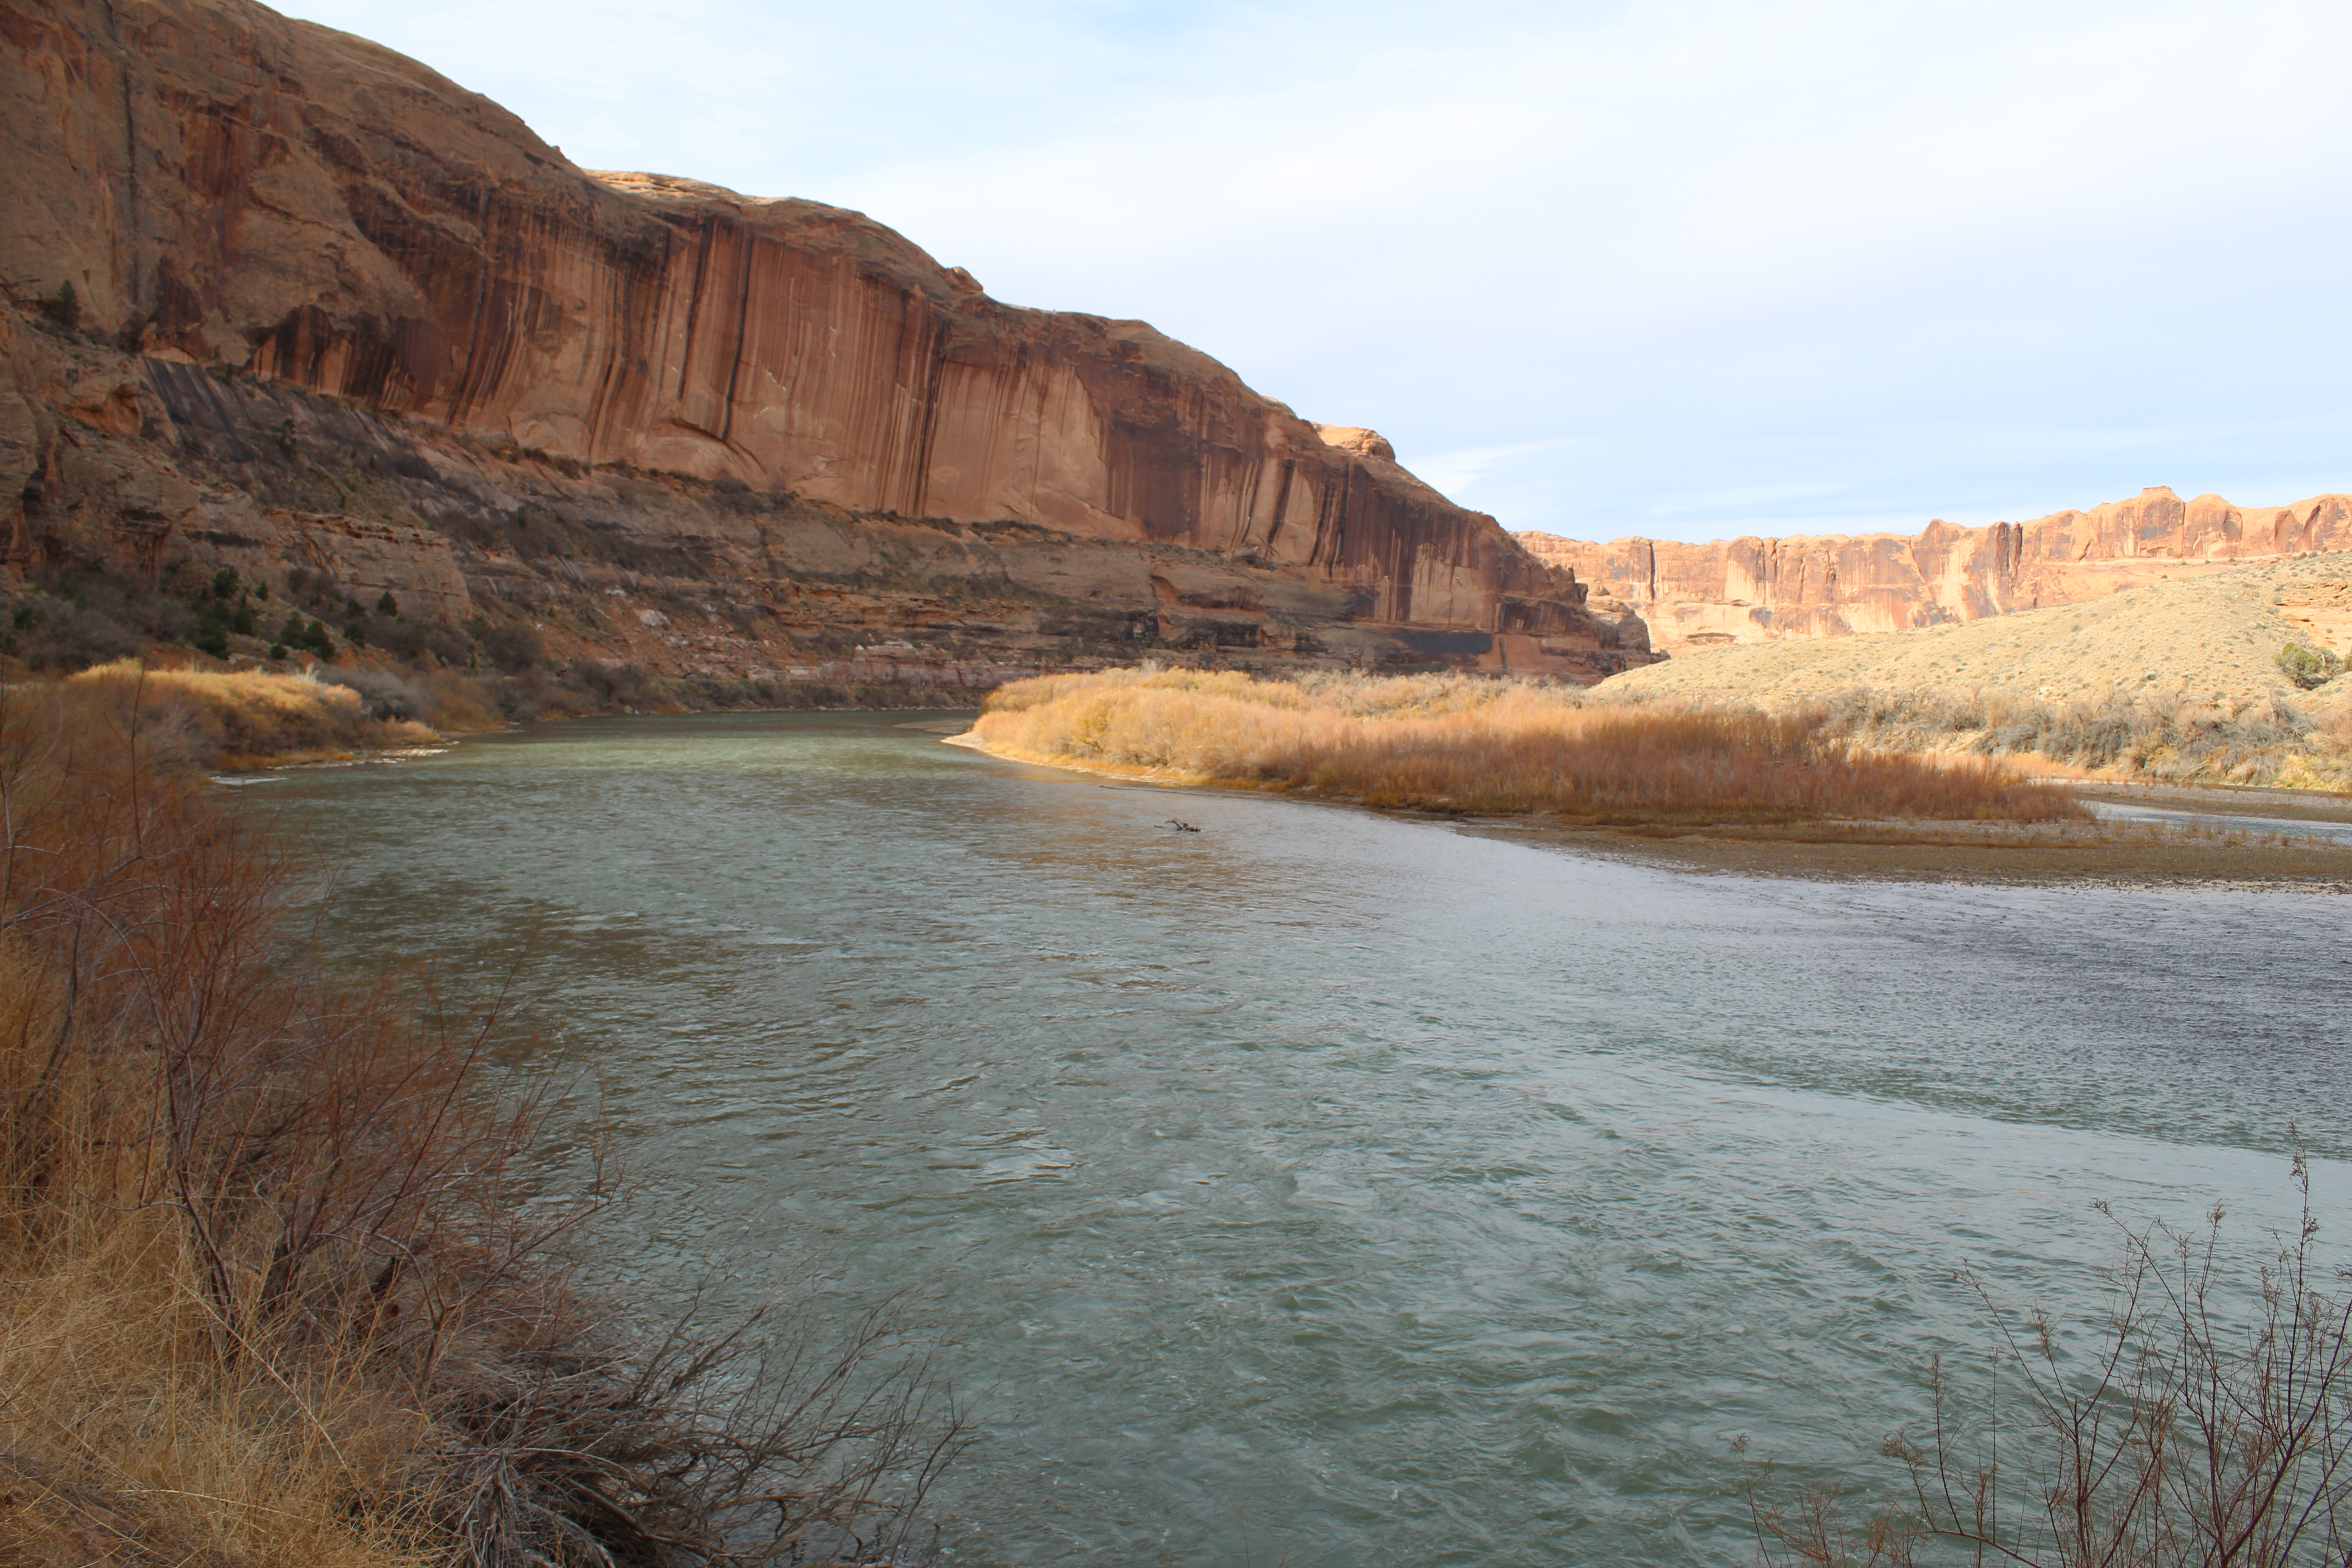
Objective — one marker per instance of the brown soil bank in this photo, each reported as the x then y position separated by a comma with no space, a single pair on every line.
1465,745
2179,681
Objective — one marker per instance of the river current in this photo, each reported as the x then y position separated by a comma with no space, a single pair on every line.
1325,1187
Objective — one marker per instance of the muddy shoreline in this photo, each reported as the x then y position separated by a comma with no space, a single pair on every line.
2106,854
2222,800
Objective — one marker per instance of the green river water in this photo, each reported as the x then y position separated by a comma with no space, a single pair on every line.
1326,1187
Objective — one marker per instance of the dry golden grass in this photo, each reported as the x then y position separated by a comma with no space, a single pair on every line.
238,718
1462,743
128,1437
177,1383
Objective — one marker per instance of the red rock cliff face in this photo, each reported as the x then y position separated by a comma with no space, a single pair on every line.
1753,590
225,184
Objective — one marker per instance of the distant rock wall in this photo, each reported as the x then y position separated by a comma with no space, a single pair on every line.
226,186
1755,589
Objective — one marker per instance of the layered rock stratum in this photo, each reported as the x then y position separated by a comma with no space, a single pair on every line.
1760,589
349,304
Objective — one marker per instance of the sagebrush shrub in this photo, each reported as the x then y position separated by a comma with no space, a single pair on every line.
2309,667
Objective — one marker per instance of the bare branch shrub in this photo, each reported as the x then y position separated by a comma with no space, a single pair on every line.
2206,1422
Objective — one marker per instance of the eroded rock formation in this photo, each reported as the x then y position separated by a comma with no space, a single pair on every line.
225,187
90,452
1755,589
173,471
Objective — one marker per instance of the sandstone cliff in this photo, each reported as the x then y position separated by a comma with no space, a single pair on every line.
1756,590
225,187
170,471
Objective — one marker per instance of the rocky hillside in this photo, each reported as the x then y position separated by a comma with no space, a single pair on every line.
2234,676
1758,590
2207,637
327,306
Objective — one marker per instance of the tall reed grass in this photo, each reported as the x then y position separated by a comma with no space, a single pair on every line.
1462,743
235,718
280,1279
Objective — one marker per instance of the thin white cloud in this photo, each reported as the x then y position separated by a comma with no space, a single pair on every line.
1821,247
1459,471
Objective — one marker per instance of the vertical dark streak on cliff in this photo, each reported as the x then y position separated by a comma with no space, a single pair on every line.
628,277
1340,498
1281,504
461,399
693,308
126,200
1327,499
749,252
926,413
1244,508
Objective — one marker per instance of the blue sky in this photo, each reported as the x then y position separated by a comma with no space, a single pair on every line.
1689,271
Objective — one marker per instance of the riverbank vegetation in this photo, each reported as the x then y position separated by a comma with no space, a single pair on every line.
233,718
289,1261
1468,743
407,667
2202,1420
2159,737
2206,677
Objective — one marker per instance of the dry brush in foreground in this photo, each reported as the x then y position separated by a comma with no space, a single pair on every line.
2203,1421
1464,744
284,1278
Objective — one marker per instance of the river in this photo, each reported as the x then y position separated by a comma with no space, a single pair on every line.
1328,1188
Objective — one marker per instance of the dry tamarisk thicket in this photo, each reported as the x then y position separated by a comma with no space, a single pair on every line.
1467,743
285,1275
2205,1421
2155,736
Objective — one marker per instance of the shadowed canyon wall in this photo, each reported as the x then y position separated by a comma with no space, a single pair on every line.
225,187
1755,590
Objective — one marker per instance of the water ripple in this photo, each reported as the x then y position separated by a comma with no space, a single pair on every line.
1328,1184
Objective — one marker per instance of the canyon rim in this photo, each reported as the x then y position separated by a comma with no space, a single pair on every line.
1753,589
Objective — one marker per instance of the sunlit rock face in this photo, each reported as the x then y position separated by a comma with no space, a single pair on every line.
1753,589
229,186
